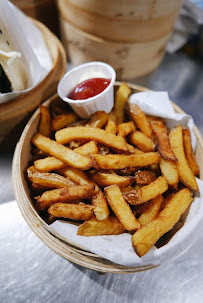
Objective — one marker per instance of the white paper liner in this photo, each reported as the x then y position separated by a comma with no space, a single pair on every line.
27,39
119,248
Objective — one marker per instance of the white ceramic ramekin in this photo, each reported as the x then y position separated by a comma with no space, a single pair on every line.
103,101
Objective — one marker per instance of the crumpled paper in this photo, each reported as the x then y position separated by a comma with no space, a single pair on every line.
119,248
29,41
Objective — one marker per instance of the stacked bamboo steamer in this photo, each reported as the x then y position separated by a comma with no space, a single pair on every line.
131,35
15,113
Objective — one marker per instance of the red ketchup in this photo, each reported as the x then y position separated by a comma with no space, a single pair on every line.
89,88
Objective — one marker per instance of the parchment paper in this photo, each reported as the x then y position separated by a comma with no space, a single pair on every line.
29,41
119,248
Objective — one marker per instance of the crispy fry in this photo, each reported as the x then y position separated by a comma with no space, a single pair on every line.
148,235
124,161
67,194
48,164
100,204
106,179
120,101
66,135
163,143
125,129
121,208
147,192
88,148
99,119
61,152
169,171
151,211
140,140
63,120
94,227
79,211
111,123
45,122
185,173
144,177
140,119
49,180
76,175
189,152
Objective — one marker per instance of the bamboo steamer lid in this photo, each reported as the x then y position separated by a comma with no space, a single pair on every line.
122,20
130,60
63,246
15,113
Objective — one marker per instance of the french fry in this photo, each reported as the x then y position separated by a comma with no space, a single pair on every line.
99,119
61,152
107,179
169,171
140,140
151,211
100,204
48,164
144,177
147,192
140,119
66,194
80,211
88,148
121,208
185,173
111,123
125,161
76,175
45,122
163,143
63,120
148,235
125,129
120,101
49,180
94,227
68,134
189,152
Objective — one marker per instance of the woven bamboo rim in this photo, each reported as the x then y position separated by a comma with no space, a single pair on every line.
61,245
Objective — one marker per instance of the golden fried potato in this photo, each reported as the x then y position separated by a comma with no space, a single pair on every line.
121,208
189,152
63,120
140,140
99,119
148,235
151,211
163,143
185,173
61,152
125,161
120,101
45,122
140,119
147,192
66,194
144,177
94,227
88,148
68,134
106,179
125,129
100,204
169,171
111,123
80,211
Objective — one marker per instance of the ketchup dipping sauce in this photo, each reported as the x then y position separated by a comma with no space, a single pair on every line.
89,88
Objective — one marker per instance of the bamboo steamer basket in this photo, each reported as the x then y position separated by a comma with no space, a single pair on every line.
61,245
130,60
42,10
122,20
15,113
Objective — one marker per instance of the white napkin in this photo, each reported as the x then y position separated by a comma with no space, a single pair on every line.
29,41
119,248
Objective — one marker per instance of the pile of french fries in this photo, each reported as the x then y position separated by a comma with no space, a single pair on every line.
118,172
